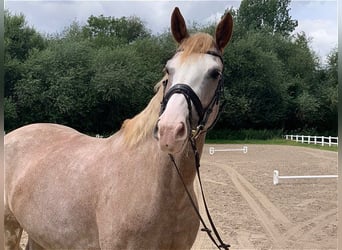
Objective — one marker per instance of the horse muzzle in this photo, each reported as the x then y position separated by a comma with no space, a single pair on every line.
171,136
173,129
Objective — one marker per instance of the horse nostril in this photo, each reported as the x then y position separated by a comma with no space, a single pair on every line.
180,131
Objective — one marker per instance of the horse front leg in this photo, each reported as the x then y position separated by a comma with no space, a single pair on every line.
13,231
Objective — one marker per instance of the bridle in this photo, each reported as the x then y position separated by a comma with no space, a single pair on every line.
192,98
203,114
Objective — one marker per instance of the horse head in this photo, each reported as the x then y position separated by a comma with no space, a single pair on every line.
194,82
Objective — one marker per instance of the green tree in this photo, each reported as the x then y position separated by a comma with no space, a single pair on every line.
95,76
11,116
327,93
124,79
300,66
255,87
55,86
115,31
20,41
269,15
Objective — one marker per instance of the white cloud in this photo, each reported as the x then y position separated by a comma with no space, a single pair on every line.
323,34
53,16
214,18
318,19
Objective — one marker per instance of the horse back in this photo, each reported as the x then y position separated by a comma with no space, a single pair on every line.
35,147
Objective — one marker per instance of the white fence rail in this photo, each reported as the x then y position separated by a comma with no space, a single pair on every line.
276,177
212,150
313,139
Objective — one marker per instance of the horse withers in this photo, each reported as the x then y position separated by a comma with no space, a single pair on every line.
68,190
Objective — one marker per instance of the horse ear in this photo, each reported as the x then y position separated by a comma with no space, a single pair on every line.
224,31
178,26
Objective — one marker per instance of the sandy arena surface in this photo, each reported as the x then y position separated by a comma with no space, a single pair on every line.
252,213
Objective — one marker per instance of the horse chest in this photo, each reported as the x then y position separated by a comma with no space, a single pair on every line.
148,221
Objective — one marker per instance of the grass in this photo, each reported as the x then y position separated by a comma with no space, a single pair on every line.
273,142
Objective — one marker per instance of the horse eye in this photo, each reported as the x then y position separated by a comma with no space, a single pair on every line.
215,74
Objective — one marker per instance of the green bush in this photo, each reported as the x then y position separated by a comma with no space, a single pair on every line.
245,134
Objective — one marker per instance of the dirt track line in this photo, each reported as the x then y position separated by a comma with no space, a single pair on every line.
272,209
215,182
269,226
243,186
298,232
318,228
243,239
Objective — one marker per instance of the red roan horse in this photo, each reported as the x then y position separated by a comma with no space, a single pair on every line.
68,190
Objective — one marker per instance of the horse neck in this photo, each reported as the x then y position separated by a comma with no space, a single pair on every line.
137,136
186,161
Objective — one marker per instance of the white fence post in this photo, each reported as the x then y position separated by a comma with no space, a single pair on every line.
275,177
211,150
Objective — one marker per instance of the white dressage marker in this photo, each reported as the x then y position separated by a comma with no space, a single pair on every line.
276,177
212,150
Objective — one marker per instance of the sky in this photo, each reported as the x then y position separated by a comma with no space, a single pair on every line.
318,19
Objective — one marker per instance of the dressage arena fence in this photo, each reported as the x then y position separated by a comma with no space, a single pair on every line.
313,139
276,177
212,150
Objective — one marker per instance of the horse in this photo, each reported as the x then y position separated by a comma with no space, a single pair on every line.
68,190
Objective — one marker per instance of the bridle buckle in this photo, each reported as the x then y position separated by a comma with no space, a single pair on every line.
196,132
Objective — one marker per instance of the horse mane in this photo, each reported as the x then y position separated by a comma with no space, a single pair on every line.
141,126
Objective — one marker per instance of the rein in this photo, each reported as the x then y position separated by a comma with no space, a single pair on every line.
203,114
220,244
